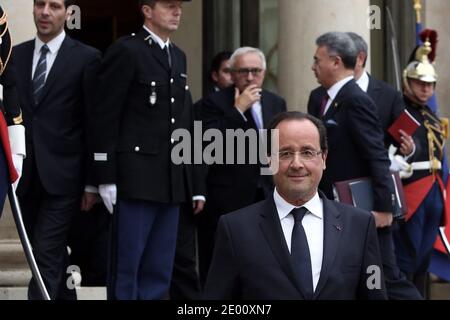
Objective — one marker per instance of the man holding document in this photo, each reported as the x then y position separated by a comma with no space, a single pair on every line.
424,184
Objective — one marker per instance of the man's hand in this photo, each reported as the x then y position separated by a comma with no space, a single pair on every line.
108,192
197,206
383,219
407,146
243,101
88,200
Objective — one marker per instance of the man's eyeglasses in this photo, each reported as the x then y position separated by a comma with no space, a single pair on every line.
245,71
305,155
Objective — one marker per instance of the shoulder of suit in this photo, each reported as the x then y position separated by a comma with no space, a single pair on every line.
273,95
351,211
244,215
24,45
87,49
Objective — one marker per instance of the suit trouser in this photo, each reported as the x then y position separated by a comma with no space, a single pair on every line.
185,278
415,239
47,219
398,287
142,250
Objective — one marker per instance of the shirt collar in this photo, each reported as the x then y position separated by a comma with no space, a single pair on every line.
284,208
155,37
334,90
53,45
363,81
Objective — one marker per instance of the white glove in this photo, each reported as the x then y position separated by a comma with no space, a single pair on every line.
399,164
108,192
17,142
18,163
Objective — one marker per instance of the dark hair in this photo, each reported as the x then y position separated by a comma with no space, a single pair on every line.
218,59
340,44
67,3
150,3
360,43
297,115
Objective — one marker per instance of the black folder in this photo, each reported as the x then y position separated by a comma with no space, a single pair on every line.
359,193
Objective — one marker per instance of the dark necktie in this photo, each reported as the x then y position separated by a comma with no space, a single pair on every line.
169,58
40,74
323,104
301,258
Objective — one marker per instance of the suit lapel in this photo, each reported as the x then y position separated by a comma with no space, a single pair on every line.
28,72
332,234
58,66
272,230
336,103
155,49
266,109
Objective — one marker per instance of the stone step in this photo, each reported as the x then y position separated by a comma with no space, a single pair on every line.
12,255
83,293
15,277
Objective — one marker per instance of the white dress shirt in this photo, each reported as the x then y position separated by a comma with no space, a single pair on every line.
363,82
53,45
313,225
256,110
334,90
155,37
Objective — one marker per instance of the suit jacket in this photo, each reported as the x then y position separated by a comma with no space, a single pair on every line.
56,127
233,186
141,102
253,263
355,141
389,105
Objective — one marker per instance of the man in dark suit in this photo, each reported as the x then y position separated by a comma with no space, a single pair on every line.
297,244
353,128
243,106
388,101
356,142
56,75
143,98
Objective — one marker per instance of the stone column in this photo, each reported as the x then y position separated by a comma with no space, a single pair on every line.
300,23
435,17
20,19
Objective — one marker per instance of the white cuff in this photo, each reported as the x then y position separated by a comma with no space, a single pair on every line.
200,198
411,154
17,139
90,189
242,114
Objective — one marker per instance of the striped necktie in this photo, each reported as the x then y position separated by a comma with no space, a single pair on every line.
40,74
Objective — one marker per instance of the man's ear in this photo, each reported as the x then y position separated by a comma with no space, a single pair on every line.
147,11
324,157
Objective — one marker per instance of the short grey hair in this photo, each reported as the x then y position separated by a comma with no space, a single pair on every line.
360,43
245,50
340,44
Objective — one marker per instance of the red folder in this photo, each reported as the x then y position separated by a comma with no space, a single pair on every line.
405,122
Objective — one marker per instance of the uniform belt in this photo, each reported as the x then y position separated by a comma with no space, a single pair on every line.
427,165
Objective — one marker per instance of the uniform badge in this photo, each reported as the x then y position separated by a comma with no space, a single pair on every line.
153,97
